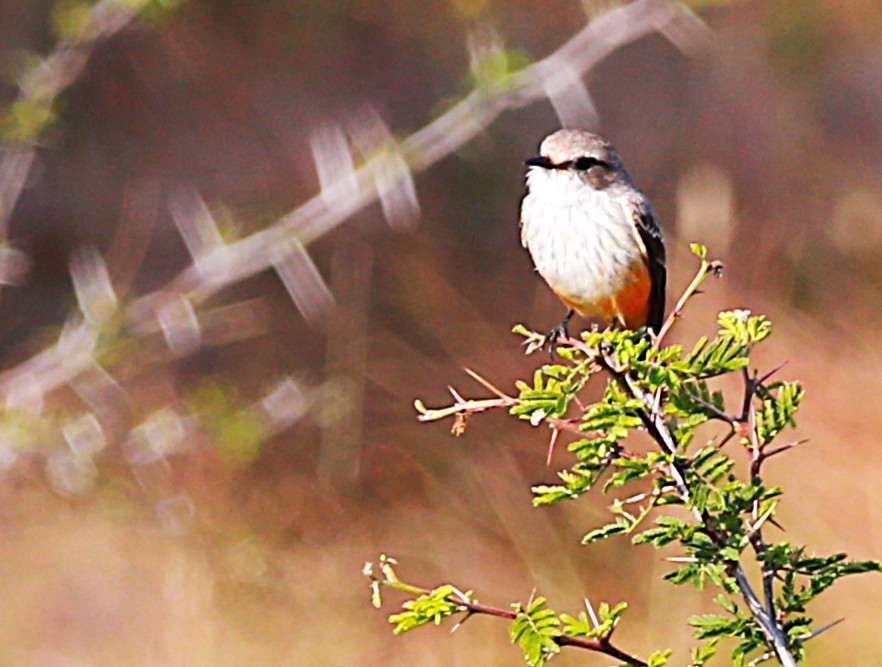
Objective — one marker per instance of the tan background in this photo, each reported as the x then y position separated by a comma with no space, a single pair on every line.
767,147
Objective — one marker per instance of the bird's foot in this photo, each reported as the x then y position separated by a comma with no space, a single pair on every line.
560,331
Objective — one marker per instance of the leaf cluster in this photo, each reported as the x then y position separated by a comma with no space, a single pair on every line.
535,629
431,607
672,486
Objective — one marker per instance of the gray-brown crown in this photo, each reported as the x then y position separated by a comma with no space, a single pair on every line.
567,146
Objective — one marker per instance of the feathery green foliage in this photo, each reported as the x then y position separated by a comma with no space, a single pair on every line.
674,490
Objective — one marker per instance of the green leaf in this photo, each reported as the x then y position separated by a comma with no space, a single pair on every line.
713,625
742,327
548,495
699,573
659,658
630,469
712,358
534,629
432,607
617,527
609,616
550,394
779,405
726,603
698,250
860,567
717,468
701,654
670,529
577,627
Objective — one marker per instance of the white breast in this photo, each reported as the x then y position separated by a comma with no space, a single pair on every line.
582,240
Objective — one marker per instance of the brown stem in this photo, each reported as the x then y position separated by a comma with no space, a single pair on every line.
657,428
571,425
713,409
759,454
600,646
597,644
707,268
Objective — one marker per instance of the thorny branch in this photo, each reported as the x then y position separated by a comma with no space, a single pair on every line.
759,454
602,644
659,431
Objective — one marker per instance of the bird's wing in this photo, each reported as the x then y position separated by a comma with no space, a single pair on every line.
650,237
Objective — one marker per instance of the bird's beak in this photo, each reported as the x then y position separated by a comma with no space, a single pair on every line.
540,161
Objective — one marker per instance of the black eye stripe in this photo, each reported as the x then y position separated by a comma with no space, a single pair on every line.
585,163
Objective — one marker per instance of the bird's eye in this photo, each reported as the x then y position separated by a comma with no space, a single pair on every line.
585,163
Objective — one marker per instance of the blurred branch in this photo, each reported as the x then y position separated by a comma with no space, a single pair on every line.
385,174
43,83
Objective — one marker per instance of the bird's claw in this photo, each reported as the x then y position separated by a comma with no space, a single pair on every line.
560,331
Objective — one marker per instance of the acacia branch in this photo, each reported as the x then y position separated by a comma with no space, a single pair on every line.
465,603
660,432
597,644
706,269
759,455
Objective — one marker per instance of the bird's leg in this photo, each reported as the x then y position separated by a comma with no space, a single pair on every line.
560,331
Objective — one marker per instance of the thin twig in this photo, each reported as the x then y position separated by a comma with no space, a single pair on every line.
822,629
571,425
470,607
468,407
660,432
555,434
598,645
783,448
489,386
713,409
707,268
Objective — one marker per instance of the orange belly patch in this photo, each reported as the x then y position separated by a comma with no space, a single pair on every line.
628,307
631,303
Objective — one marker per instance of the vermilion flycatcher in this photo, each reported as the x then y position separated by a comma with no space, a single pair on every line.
593,236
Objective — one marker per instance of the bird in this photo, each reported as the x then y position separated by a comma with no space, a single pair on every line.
592,235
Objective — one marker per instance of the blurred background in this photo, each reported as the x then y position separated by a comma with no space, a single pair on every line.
201,484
